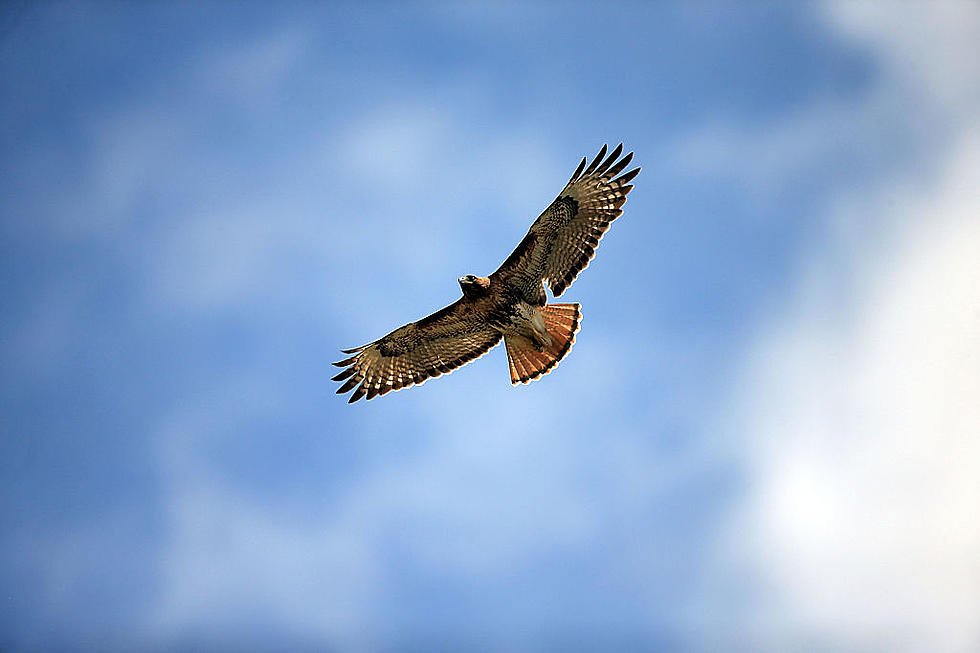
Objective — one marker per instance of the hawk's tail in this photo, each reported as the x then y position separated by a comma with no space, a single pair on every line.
526,362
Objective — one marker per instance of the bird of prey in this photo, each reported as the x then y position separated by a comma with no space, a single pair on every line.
510,303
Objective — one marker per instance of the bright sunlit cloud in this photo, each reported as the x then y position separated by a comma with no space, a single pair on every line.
860,405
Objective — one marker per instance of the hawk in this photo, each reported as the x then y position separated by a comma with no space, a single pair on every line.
510,304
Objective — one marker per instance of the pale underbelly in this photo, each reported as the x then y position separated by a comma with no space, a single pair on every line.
527,322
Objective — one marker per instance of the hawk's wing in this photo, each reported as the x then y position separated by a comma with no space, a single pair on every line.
430,347
563,239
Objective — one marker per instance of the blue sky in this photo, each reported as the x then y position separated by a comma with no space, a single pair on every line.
764,438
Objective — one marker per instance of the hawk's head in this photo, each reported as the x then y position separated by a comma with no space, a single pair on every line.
474,286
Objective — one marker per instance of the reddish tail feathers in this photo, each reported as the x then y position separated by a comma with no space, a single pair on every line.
526,362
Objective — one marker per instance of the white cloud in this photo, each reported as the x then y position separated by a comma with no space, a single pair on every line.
866,500
930,44
862,404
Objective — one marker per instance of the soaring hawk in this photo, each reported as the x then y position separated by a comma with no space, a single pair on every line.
510,303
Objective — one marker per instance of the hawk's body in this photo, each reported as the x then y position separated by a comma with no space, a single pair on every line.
511,302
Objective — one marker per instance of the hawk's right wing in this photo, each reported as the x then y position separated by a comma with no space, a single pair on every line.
430,347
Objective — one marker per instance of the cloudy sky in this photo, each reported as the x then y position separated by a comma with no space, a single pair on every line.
767,436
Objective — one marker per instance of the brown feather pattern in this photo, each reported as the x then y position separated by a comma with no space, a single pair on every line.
558,246
416,352
563,240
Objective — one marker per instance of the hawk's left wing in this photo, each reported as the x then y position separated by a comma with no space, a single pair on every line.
430,347
563,239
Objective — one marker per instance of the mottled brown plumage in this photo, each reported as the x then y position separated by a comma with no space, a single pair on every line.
511,302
